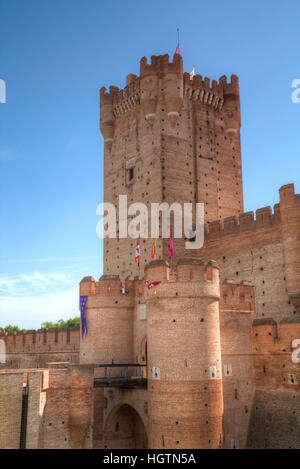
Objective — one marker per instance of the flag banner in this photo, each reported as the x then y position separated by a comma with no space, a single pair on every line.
153,253
171,245
151,284
84,328
177,49
137,252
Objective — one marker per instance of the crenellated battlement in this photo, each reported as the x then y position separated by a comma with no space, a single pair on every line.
201,90
41,346
108,292
39,331
122,100
144,89
237,296
191,277
231,88
160,64
264,217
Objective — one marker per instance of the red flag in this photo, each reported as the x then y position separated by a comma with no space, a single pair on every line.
153,253
137,252
177,49
171,245
152,284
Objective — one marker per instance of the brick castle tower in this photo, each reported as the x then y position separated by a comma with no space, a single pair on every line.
170,138
162,130
210,356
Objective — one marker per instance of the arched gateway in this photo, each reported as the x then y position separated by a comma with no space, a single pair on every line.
124,428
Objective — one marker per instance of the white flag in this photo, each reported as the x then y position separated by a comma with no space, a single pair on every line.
192,73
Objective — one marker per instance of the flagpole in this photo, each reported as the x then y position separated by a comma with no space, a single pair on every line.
178,35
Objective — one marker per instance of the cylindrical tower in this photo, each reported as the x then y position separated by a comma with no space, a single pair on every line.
185,400
231,106
109,316
107,120
173,88
149,88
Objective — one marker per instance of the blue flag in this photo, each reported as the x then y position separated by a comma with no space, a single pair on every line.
84,328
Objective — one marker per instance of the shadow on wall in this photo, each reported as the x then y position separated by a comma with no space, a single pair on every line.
125,429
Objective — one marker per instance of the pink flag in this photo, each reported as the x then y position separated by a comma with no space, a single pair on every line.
171,245
177,49
138,253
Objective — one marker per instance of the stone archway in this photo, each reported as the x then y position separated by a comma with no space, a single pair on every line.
124,429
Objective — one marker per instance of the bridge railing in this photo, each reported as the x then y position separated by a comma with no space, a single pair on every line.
121,374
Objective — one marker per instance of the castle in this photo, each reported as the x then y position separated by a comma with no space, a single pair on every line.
210,356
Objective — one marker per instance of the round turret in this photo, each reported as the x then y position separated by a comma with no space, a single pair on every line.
109,316
173,89
231,106
148,90
185,403
107,119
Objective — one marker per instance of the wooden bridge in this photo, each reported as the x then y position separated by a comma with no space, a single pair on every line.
128,375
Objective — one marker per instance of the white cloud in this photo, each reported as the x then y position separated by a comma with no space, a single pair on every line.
44,280
30,312
29,299
19,284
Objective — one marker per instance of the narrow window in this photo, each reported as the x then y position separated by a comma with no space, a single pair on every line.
131,174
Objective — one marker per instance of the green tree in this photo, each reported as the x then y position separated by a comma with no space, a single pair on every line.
72,322
10,329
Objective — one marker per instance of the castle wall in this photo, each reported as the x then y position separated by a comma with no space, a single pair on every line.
275,414
35,349
237,306
100,403
60,406
274,422
10,409
254,250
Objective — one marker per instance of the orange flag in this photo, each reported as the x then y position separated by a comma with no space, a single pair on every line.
153,253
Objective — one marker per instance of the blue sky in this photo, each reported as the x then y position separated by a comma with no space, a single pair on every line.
54,57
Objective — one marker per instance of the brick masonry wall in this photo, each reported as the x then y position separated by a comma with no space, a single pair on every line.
275,414
254,250
185,400
237,305
275,420
10,409
166,129
60,408
109,316
35,349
